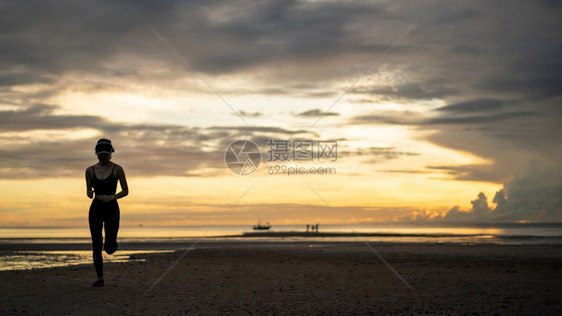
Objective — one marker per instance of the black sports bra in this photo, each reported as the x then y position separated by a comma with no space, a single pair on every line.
107,186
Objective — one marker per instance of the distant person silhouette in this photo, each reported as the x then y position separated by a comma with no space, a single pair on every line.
101,185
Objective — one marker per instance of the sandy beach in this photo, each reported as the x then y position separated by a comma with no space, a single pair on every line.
302,278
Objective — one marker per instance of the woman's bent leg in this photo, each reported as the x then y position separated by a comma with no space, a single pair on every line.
111,230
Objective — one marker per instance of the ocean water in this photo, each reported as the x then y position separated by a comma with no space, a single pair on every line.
507,230
46,259
50,247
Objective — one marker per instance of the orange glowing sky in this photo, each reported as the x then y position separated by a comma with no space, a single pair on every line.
430,104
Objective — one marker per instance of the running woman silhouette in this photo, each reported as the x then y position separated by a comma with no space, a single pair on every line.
101,185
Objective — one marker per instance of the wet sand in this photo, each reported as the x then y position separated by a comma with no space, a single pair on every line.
302,278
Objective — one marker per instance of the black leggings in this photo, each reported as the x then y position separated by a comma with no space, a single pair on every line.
101,212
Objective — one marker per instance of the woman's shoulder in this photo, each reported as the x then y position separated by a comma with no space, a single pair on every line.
117,167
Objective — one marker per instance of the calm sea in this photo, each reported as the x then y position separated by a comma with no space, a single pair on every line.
47,247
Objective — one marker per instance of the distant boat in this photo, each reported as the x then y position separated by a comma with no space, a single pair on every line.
262,227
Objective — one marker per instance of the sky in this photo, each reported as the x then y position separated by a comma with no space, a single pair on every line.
442,112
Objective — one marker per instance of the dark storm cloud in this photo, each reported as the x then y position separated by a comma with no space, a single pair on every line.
535,88
389,117
171,150
478,119
376,154
538,202
43,40
49,38
535,197
413,90
39,116
168,150
264,129
317,113
248,114
477,105
14,78
416,118
473,172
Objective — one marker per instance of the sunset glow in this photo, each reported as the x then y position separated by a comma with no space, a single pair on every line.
428,110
